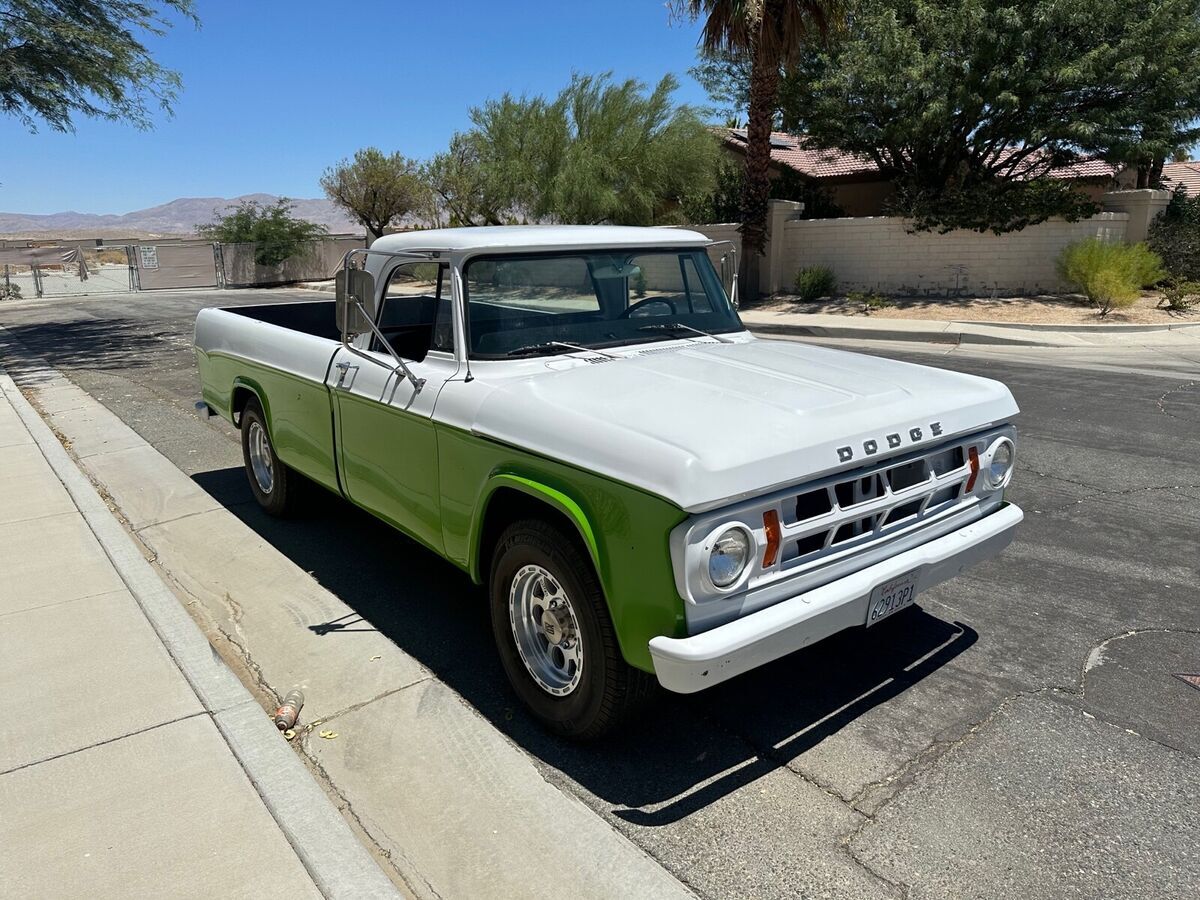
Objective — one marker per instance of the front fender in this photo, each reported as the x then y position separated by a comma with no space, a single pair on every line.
625,530
555,498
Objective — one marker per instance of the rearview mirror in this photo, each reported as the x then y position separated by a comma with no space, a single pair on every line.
625,270
355,293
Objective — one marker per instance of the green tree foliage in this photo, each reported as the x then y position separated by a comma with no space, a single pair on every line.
599,152
276,234
1175,236
1110,274
989,204
65,58
376,188
724,202
769,34
963,99
725,77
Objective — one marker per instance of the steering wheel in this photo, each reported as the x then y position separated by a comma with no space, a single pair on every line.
629,310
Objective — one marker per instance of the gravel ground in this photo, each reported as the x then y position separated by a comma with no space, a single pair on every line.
1046,310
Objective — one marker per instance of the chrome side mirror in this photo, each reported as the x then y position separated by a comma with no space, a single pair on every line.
729,272
355,301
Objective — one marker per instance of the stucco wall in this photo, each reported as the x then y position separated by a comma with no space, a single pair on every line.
878,253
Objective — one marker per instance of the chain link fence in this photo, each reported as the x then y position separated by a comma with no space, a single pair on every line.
173,264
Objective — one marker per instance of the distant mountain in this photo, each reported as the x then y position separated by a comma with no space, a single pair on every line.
177,217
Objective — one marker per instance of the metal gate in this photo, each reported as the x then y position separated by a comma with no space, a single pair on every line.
191,264
63,271
112,268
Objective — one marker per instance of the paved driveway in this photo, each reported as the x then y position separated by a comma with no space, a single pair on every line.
1025,732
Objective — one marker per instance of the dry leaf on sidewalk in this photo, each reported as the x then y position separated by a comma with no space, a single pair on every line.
328,735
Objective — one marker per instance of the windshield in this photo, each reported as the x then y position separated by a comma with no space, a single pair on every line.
530,304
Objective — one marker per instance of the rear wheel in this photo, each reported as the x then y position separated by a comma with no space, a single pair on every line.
554,635
274,485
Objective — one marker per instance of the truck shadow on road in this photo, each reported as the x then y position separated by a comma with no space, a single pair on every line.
685,752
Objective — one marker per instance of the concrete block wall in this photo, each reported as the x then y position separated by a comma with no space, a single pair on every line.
879,253
1143,207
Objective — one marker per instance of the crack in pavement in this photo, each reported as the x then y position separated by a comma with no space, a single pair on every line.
354,707
410,872
1161,402
1125,492
913,775
923,764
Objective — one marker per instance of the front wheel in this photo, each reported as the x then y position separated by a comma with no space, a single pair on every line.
554,635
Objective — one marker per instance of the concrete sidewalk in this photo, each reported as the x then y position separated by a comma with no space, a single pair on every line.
132,761
1186,333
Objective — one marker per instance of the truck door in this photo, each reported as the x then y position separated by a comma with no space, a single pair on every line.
387,448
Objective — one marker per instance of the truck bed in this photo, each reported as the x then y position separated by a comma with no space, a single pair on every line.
315,317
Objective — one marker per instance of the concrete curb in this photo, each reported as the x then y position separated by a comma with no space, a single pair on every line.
321,287
959,333
1107,328
338,864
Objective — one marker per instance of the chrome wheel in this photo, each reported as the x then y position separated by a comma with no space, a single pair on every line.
261,461
546,630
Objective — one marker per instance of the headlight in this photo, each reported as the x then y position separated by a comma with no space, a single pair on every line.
729,556
1000,464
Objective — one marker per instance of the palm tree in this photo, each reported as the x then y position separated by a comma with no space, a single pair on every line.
771,33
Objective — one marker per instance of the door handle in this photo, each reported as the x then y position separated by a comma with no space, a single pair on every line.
344,370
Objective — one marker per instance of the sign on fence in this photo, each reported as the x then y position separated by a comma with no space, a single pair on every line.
149,257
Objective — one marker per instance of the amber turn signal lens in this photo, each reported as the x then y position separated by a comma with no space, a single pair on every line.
774,535
973,457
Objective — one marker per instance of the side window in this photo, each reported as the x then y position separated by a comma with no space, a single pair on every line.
416,315
671,277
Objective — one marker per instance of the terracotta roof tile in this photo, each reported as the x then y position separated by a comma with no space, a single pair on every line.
1185,173
790,150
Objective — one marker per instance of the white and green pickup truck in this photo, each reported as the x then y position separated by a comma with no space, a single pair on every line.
577,417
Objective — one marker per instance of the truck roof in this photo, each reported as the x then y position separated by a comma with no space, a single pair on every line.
538,237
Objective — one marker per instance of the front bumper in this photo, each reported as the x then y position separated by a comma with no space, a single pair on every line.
687,665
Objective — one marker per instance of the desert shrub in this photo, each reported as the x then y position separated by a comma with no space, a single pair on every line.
815,282
1110,275
276,233
1175,236
869,300
10,291
1180,295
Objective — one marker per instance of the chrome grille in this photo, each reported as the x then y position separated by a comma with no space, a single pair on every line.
849,511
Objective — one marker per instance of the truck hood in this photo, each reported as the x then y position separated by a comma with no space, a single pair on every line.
703,424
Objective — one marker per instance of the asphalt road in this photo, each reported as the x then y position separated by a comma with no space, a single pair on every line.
1023,733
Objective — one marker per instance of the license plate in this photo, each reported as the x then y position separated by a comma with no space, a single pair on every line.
892,596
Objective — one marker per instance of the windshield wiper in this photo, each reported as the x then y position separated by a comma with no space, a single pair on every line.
531,349
679,326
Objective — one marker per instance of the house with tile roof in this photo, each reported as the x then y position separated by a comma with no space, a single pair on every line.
1185,174
860,188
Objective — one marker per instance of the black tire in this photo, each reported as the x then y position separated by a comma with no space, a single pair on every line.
283,497
609,689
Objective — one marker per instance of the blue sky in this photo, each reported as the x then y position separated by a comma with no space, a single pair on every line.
276,91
